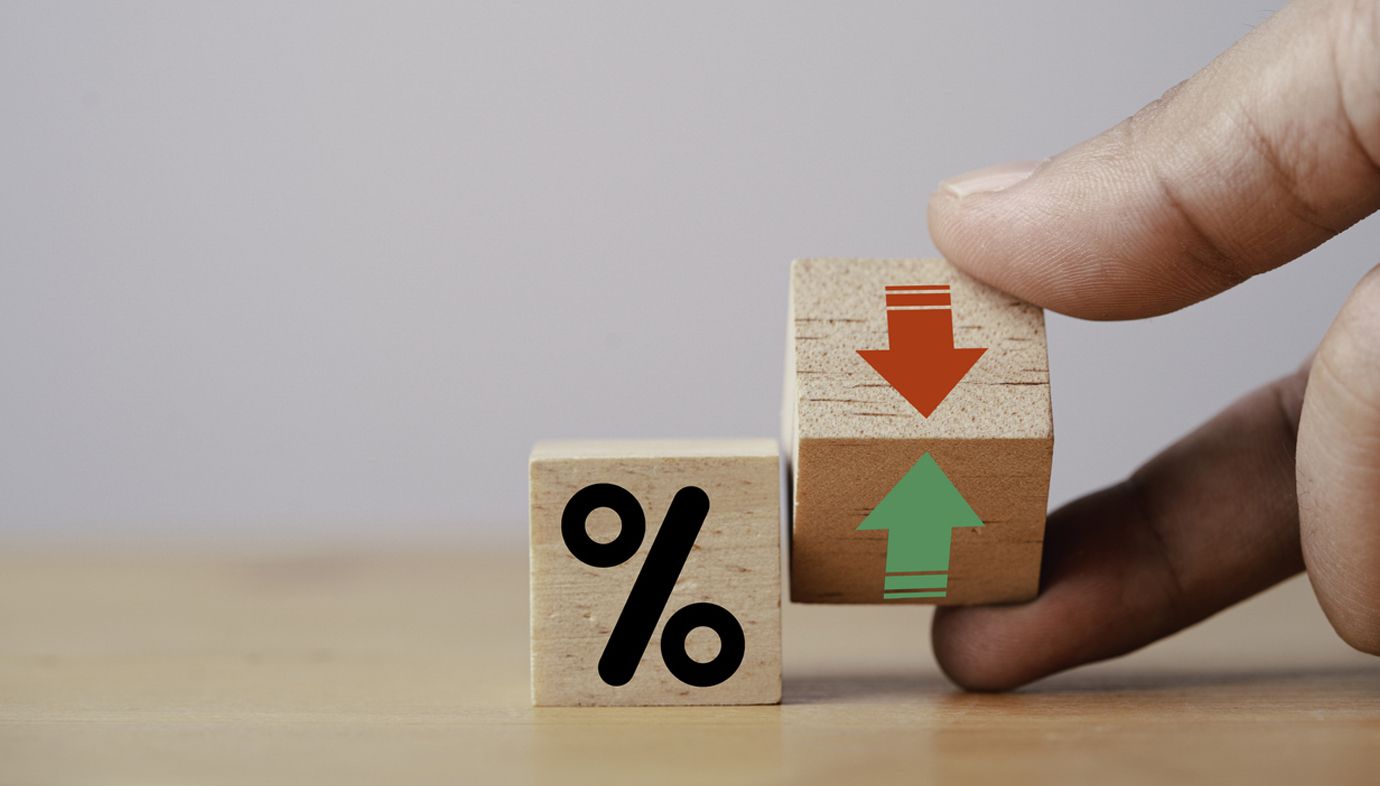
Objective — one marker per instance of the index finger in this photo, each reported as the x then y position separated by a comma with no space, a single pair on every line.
1266,153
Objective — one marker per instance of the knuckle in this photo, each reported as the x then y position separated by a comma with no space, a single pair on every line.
1207,262
1170,581
1204,255
1210,257
1292,167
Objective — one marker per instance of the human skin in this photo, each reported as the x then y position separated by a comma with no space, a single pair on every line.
1264,154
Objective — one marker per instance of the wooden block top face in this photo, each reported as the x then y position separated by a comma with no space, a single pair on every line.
552,450
840,306
587,648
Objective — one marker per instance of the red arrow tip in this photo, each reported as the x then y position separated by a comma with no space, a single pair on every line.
924,379
922,363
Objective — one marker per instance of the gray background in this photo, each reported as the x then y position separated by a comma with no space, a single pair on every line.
326,270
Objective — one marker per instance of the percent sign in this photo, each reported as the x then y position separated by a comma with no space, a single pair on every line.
652,588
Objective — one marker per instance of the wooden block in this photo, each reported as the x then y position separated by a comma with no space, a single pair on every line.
853,436
707,568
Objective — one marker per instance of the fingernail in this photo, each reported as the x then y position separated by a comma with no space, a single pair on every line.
988,180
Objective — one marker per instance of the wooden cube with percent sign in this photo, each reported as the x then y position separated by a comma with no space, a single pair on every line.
656,572
918,417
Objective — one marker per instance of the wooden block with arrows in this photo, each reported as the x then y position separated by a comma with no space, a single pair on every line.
656,572
917,414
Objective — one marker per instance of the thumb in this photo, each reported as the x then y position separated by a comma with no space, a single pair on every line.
1338,469
1266,153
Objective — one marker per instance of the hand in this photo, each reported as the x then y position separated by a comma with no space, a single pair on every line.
1266,153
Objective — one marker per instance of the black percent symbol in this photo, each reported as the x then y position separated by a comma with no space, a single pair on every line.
652,587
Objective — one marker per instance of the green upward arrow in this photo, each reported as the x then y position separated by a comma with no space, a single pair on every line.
920,513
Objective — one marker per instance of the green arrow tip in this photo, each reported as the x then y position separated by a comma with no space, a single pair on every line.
920,511
923,498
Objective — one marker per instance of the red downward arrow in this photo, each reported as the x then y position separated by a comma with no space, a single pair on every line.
922,362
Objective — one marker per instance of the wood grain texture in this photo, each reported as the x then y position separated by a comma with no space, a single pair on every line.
735,564
852,436
374,665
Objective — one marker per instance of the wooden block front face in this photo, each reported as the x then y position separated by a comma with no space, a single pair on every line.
890,504
632,539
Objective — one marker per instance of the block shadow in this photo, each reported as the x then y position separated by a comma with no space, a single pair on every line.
893,687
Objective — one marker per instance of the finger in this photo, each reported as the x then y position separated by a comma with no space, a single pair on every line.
1339,470
1264,154
1206,523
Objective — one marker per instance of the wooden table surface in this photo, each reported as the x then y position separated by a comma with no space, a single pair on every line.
375,666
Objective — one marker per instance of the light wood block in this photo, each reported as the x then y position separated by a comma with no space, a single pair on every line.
598,618
853,436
